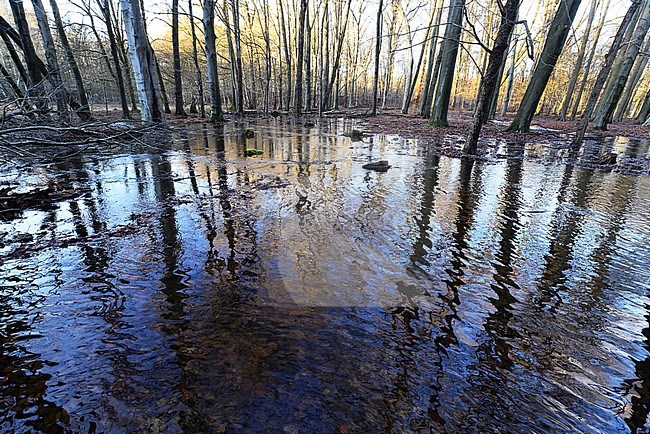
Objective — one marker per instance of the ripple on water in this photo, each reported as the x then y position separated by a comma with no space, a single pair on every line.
201,290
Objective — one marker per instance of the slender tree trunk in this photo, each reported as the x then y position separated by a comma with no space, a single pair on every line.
104,7
178,71
375,85
578,66
12,83
74,68
555,40
511,81
337,55
635,78
412,81
491,113
216,111
491,78
391,54
644,112
587,68
620,75
449,50
13,53
51,57
297,101
195,56
239,74
433,64
163,88
602,76
35,68
267,46
308,66
287,55
143,62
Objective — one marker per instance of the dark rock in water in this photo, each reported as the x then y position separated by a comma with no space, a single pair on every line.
377,166
607,159
275,113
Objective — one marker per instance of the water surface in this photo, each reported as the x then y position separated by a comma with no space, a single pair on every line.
198,290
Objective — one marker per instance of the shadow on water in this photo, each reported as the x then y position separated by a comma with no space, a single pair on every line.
201,290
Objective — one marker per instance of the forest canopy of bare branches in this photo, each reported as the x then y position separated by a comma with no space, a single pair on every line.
147,57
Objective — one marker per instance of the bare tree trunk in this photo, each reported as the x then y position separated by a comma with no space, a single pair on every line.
287,55
620,75
143,62
178,71
297,100
413,76
54,72
511,81
4,28
391,54
644,112
81,90
576,143
195,56
216,111
375,85
163,88
267,46
449,50
308,70
104,7
491,78
12,83
635,78
578,66
239,74
36,69
433,66
337,55
587,68
555,40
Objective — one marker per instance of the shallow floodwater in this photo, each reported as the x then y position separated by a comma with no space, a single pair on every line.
199,290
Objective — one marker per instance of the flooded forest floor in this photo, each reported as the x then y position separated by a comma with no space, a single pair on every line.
253,276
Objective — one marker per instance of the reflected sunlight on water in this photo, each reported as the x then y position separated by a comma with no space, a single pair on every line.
203,291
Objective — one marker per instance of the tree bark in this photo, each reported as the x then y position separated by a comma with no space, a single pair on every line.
432,62
555,40
178,71
620,75
635,77
216,111
511,81
449,50
238,69
297,100
195,57
587,68
375,85
54,72
4,27
84,111
104,7
412,81
576,143
490,81
287,55
578,66
644,111
143,62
